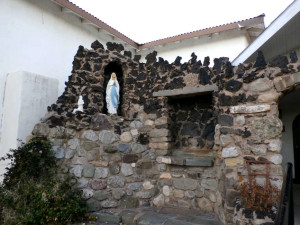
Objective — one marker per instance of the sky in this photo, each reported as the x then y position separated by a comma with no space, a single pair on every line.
145,21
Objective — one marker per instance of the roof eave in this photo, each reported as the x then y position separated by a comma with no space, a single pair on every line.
231,26
271,30
85,15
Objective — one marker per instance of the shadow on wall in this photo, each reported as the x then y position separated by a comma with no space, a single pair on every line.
193,125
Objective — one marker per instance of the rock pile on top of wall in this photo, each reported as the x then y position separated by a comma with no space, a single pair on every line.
138,82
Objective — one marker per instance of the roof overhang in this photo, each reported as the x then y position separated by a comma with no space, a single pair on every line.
253,26
280,37
87,18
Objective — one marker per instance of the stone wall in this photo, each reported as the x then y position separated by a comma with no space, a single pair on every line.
162,151
193,123
249,127
115,170
138,81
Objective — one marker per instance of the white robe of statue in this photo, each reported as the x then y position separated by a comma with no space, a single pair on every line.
112,94
80,105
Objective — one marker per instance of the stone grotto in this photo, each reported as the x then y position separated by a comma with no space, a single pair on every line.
183,132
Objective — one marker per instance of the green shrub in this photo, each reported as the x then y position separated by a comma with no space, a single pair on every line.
34,191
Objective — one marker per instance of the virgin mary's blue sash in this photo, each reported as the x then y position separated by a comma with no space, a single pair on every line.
114,96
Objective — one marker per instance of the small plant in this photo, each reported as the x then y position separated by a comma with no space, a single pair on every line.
33,192
257,197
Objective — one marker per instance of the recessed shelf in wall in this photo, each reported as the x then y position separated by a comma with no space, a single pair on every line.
186,92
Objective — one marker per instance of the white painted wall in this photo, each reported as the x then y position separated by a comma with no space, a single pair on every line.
225,44
27,96
37,36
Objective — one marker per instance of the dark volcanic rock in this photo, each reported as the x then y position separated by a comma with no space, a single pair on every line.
260,61
217,65
251,98
233,85
279,61
201,143
137,58
128,54
209,131
248,78
194,58
87,67
97,67
190,129
176,73
96,88
225,100
228,70
80,51
56,121
206,61
196,67
293,56
151,58
92,54
203,77
143,139
176,83
96,45
246,133
177,61
114,46
141,76
76,64
225,120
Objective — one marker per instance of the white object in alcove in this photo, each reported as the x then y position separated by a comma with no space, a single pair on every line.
80,105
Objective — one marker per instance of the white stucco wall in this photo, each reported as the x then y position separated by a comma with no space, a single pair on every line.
27,96
37,36
225,44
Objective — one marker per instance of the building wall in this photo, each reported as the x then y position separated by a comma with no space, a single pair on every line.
26,99
38,37
225,44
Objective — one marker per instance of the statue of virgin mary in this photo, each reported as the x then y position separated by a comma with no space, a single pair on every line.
112,94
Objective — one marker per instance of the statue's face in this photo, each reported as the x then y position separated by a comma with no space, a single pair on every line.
113,76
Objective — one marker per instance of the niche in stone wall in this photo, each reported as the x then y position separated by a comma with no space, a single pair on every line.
109,69
193,122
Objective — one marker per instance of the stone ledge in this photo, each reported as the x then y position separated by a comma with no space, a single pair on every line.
186,91
204,161
250,108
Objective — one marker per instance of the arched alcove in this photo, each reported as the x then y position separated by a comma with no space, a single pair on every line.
114,67
289,113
